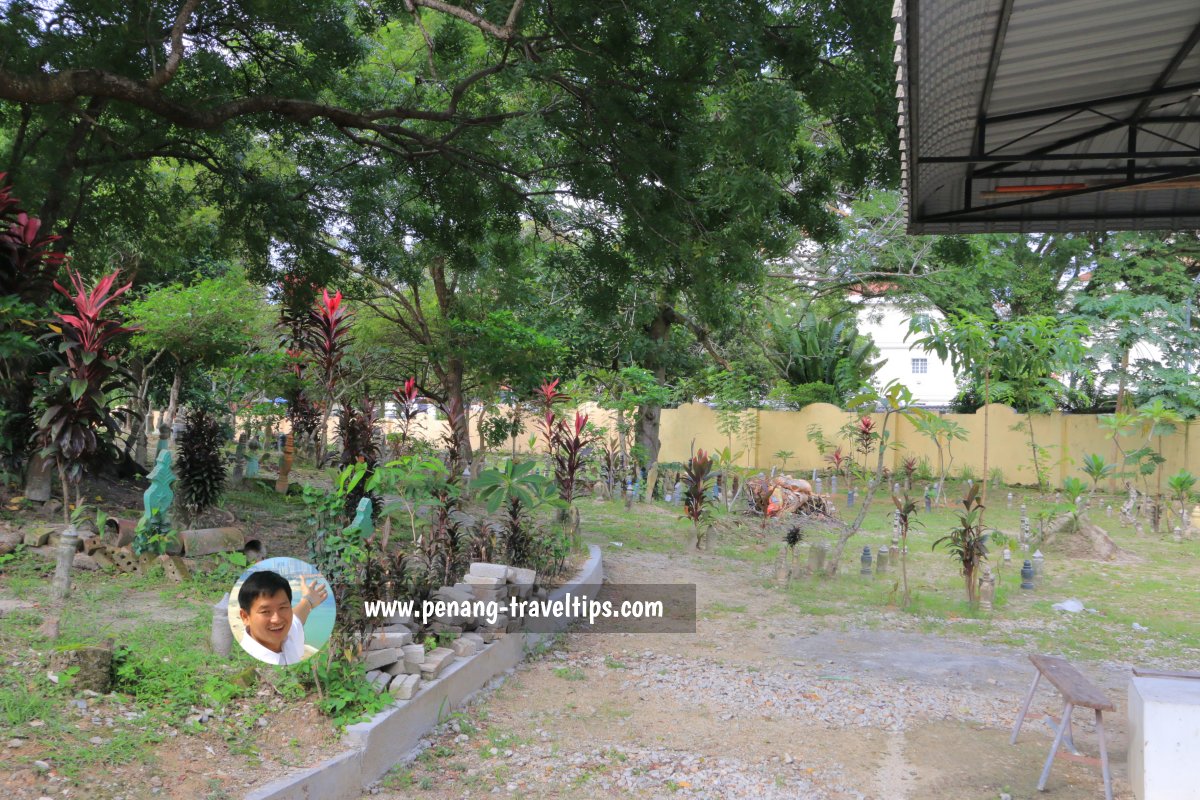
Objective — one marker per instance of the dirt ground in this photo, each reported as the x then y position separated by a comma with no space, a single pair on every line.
760,702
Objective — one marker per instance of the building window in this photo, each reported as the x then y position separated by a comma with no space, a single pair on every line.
920,366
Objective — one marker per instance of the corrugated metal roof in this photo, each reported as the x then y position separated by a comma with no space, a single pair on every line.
1070,79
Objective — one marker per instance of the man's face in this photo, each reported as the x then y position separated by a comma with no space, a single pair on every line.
269,620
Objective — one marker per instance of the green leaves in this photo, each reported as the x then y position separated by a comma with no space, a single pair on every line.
514,482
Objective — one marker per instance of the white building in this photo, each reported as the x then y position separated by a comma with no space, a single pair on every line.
930,379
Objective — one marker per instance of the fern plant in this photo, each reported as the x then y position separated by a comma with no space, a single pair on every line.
201,464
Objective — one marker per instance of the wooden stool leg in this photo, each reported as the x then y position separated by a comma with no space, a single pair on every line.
1103,756
1062,729
1037,676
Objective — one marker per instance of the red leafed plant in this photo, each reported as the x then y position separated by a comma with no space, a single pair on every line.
78,393
407,407
837,462
569,443
865,435
331,335
697,483
28,263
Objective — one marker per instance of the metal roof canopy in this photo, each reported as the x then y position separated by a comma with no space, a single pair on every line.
1049,115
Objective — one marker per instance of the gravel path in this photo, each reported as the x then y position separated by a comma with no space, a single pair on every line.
757,704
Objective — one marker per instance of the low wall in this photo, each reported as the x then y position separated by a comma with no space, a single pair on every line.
379,743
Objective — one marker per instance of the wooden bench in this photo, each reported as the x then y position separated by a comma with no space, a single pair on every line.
1077,691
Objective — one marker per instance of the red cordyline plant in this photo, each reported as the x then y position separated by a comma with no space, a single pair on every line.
28,263
570,441
78,392
407,408
331,335
697,483
837,462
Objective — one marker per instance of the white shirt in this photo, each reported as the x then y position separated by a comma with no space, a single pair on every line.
293,646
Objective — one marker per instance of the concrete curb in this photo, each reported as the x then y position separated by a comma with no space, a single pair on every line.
379,743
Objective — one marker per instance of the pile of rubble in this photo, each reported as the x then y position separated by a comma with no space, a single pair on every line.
398,663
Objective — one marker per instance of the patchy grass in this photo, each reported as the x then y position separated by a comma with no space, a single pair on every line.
1160,590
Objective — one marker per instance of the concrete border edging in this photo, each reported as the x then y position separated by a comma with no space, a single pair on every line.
382,741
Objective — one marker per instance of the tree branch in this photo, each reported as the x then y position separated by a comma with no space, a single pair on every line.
163,76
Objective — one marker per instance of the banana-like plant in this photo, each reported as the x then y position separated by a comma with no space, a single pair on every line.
519,490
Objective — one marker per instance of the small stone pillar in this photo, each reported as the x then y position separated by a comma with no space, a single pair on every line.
1007,556
1039,564
928,502
222,635
781,569
1027,575
239,458
285,464
1108,511
60,586
818,487
987,589
833,484
881,561
1009,500
850,499
252,458
865,570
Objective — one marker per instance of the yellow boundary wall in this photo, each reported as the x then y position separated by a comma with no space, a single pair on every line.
1067,437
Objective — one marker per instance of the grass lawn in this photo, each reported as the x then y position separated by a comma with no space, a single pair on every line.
1160,590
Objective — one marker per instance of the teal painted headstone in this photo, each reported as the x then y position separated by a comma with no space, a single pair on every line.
252,459
159,497
362,519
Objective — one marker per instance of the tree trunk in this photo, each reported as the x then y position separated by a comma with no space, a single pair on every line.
1112,481
452,382
649,416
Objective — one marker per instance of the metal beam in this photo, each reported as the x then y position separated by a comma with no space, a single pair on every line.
1096,101
1168,72
1078,172
971,212
1192,216
1020,158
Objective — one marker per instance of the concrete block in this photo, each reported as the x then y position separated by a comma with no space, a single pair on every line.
435,661
522,575
381,658
453,594
483,569
37,537
1164,737
483,580
463,648
403,687
384,640
414,653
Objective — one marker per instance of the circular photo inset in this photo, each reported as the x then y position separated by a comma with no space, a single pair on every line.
281,611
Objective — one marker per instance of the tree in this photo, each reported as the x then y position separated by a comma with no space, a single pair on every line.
201,325
896,399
